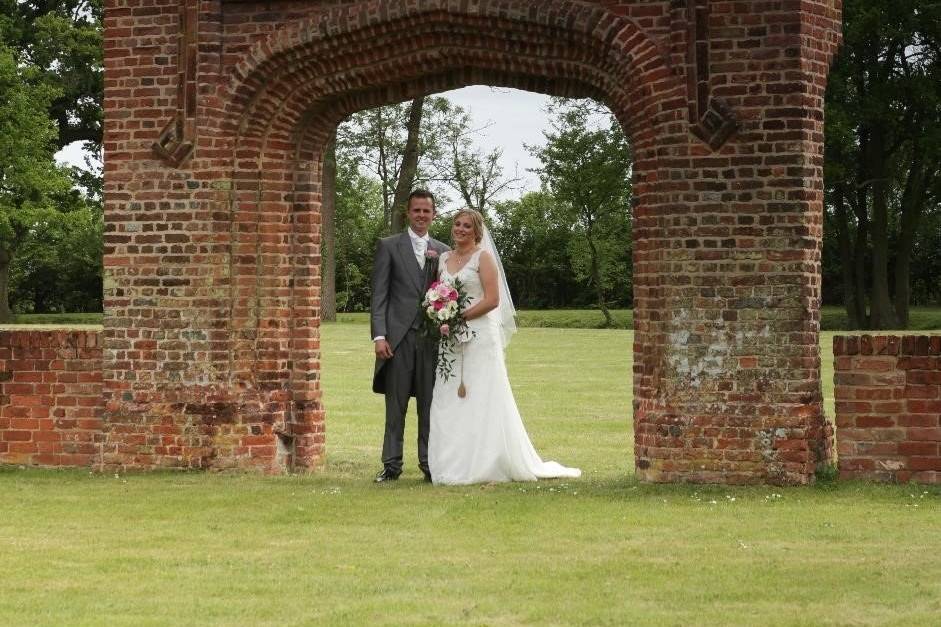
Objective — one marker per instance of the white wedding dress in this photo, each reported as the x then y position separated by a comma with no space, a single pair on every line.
481,438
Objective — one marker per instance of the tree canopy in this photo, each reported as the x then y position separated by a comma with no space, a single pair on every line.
29,177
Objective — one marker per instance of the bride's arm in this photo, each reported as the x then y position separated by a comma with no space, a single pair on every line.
488,280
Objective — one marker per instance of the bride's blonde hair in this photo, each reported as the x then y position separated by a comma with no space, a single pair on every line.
476,219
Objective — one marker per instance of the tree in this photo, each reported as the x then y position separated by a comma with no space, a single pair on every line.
58,266
476,176
29,177
386,142
61,39
883,151
587,168
409,170
533,237
359,224
429,143
926,288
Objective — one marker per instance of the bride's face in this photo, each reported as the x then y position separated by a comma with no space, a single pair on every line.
462,231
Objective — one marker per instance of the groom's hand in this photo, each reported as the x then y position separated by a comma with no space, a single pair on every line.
383,350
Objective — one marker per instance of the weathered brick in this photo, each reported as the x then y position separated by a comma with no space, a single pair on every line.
899,438
39,438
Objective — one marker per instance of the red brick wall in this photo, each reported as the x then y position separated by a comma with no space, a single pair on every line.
212,244
888,407
50,397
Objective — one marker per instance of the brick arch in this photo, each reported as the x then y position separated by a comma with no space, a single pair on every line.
563,29
298,84
215,114
558,47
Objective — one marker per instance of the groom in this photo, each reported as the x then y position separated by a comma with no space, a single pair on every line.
405,265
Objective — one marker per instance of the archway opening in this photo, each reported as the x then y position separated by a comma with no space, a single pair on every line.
283,112
572,385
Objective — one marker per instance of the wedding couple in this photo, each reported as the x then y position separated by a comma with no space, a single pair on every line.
475,438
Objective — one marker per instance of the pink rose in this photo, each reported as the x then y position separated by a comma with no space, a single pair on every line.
445,330
444,290
439,305
453,295
431,254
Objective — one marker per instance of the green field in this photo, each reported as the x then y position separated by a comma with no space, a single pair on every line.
332,548
59,319
831,319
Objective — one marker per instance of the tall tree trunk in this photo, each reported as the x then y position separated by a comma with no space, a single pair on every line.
861,246
461,180
409,167
861,286
6,315
382,171
846,258
881,314
328,232
596,277
913,204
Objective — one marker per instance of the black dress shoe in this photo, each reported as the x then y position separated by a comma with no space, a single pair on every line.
427,474
386,475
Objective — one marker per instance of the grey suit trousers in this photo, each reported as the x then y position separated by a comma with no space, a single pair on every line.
410,372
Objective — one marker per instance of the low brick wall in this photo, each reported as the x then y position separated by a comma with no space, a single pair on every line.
888,407
888,402
50,397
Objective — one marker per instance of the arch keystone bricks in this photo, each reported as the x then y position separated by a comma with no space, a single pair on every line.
217,112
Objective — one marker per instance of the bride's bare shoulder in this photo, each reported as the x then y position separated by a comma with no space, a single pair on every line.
485,258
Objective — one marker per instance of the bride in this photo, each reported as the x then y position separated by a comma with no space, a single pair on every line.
478,436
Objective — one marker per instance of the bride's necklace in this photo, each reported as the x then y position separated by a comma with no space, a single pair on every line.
461,258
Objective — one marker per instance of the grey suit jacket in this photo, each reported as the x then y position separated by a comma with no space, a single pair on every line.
398,285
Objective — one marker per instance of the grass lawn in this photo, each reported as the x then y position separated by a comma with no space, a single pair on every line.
333,548
58,319
831,319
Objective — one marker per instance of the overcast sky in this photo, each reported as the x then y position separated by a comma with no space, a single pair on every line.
509,119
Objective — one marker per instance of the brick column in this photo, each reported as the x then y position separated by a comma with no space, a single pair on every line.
171,335
727,252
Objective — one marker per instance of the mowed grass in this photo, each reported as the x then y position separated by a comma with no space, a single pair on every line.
332,548
59,319
831,319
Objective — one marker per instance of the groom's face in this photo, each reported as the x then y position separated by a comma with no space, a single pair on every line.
421,213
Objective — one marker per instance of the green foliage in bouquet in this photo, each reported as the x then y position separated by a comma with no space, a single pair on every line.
443,307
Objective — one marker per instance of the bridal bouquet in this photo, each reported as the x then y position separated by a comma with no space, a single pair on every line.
443,304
